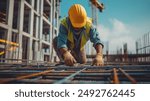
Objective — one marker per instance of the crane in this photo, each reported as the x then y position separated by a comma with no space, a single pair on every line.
95,4
98,5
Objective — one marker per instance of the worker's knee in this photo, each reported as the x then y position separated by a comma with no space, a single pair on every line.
82,56
84,60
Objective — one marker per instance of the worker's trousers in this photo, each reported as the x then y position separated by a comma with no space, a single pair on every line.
80,56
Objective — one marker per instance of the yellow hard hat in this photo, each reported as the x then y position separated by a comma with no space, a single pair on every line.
77,15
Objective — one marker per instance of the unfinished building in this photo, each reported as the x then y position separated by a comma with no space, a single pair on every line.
143,47
27,28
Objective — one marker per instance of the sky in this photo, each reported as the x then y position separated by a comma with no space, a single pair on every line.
122,21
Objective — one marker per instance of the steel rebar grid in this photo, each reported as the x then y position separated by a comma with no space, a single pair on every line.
128,76
69,77
79,74
24,77
116,80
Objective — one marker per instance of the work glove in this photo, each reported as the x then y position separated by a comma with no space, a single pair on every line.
98,61
69,59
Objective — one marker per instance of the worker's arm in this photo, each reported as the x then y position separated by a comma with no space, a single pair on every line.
62,46
98,60
62,37
95,37
97,43
68,58
99,49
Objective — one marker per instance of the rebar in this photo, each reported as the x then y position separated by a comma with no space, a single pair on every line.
116,80
76,74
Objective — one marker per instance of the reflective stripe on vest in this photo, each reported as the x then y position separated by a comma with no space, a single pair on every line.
85,34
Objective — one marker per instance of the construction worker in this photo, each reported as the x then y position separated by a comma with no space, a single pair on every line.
75,30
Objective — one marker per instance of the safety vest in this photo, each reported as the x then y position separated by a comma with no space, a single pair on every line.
85,34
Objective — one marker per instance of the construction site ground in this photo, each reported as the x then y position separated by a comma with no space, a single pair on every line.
77,74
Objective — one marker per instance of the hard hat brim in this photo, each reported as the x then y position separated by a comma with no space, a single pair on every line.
79,25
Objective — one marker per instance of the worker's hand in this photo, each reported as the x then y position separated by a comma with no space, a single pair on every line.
98,61
69,59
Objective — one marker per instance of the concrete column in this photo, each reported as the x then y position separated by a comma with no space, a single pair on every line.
50,36
36,51
30,52
31,19
40,52
38,5
53,30
20,22
10,7
37,26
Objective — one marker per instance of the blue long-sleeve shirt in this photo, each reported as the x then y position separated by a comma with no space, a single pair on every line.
63,33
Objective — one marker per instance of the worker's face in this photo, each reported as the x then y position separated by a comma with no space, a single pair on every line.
77,29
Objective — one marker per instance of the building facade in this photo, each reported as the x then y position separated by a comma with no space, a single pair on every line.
27,28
